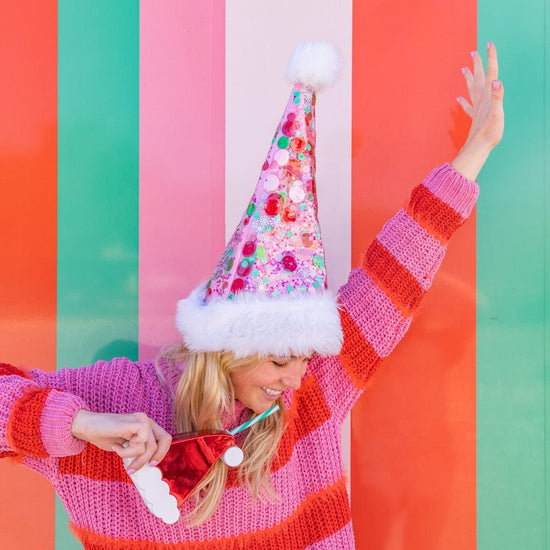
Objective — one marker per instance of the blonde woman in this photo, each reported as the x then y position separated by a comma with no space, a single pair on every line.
262,331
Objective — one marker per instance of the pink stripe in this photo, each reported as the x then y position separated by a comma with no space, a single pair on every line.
338,540
377,310
403,242
55,424
181,158
454,189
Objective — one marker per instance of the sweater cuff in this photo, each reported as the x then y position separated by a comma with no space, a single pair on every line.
56,422
453,188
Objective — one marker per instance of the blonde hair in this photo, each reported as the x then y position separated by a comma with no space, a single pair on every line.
203,397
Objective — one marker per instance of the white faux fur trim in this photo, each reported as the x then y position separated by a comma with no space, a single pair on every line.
254,324
314,64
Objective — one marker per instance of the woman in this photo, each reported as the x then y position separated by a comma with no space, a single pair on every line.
262,331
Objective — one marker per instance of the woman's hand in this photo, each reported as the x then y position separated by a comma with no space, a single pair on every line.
128,435
485,109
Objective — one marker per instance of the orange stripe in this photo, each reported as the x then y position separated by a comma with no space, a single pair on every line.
394,278
358,356
28,210
6,370
23,429
95,464
419,417
319,516
440,220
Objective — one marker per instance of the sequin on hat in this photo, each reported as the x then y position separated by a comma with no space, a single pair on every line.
268,293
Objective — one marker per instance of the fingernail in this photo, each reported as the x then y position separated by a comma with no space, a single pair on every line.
130,471
489,44
458,99
496,84
463,70
153,463
473,53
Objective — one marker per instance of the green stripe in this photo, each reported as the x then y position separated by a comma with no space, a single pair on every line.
513,237
98,155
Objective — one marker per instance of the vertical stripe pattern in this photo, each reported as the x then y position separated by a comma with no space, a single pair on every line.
131,137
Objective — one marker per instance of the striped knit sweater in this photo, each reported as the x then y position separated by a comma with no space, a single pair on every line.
37,408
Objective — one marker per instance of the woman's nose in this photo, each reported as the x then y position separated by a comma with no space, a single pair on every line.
294,373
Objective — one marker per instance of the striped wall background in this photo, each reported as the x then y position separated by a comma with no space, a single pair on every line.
131,136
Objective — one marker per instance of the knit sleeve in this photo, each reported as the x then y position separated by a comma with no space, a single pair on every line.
35,420
380,298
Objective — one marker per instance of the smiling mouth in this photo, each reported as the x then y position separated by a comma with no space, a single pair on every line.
272,393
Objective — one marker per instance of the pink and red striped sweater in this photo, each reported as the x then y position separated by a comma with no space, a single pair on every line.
37,408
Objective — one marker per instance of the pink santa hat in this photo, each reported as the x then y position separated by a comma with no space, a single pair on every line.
268,294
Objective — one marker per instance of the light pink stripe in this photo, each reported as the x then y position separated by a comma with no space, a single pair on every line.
182,48
403,236
374,310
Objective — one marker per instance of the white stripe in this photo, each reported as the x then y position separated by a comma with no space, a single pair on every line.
260,36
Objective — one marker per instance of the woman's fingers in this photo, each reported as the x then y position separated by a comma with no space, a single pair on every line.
469,78
468,109
152,450
492,63
479,73
163,439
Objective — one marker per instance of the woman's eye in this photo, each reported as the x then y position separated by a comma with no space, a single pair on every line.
277,364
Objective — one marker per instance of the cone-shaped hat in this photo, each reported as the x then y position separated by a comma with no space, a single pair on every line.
268,294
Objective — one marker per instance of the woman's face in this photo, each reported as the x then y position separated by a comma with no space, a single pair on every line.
259,388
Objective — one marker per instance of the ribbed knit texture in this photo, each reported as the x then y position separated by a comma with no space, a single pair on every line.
313,511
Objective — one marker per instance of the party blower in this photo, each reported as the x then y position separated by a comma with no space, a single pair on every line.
165,487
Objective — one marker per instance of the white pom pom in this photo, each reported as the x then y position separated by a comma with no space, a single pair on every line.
314,64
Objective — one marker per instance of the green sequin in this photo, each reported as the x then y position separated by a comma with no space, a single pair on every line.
283,142
301,156
318,261
251,208
255,272
289,233
290,288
